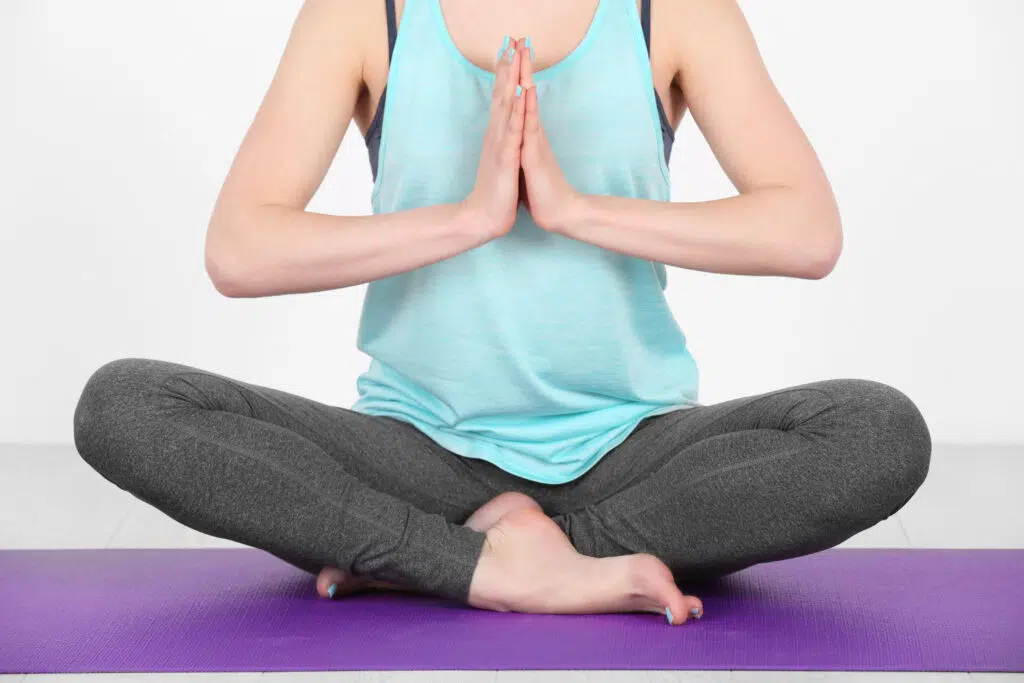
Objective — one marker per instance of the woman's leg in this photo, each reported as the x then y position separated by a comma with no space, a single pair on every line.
714,489
313,484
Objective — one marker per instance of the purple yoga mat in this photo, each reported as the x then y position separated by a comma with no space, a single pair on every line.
225,609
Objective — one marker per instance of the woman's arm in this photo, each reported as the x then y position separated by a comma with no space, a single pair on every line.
784,220
260,240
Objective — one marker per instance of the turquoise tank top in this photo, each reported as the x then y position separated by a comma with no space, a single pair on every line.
535,352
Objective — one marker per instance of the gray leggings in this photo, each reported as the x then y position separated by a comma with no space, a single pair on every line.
710,490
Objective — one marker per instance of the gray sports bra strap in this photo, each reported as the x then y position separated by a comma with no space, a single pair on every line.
390,6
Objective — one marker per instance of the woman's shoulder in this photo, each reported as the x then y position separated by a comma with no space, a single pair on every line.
343,31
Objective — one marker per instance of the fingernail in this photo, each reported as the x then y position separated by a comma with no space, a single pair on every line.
695,612
504,46
668,615
331,591
519,90
529,45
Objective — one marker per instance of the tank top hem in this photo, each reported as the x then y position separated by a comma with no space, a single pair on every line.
466,447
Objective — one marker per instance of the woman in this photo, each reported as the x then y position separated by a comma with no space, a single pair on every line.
528,435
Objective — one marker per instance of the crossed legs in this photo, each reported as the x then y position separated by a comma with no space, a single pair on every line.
697,492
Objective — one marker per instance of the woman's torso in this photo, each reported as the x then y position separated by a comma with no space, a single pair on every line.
534,351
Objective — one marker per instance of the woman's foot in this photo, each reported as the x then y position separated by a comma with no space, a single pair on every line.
488,514
483,519
333,583
529,565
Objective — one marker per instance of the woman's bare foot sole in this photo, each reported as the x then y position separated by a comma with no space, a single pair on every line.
529,565
333,582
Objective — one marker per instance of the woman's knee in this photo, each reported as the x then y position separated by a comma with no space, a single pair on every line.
112,396
893,442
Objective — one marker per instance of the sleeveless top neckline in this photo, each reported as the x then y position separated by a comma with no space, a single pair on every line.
539,75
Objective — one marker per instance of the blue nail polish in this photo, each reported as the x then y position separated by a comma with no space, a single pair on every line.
519,90
529,45
668,615
504,46
695,612
331,591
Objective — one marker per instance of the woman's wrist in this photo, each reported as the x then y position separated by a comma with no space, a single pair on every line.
573,212
474,222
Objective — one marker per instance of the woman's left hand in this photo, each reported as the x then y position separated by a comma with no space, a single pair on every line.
543,189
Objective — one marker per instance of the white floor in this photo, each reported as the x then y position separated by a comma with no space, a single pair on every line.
52,499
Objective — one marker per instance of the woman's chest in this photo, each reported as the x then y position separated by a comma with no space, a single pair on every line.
469,24
605,137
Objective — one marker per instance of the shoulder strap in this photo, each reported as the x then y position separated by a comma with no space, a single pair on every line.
390,7
645,22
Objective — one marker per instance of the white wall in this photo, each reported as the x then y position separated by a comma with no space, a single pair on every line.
120,119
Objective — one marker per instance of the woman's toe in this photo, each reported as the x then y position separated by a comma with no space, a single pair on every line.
330,576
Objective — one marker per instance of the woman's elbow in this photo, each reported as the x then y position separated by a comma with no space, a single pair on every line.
823,260
822,247
223,279
221,261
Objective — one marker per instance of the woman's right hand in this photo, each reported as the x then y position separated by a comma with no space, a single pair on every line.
493,202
